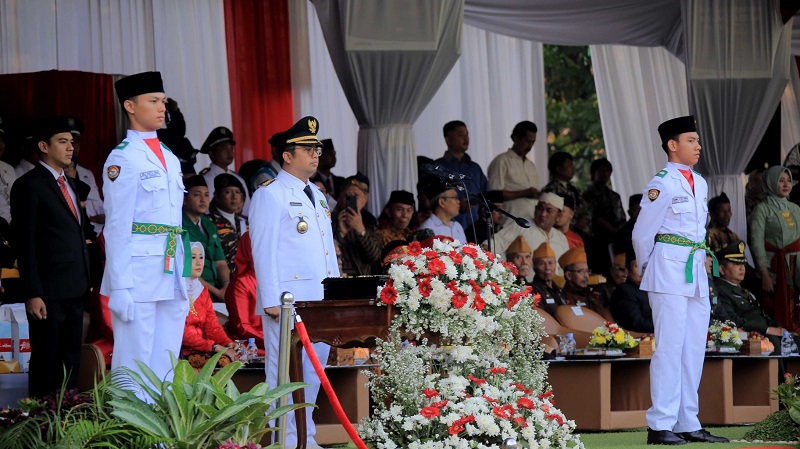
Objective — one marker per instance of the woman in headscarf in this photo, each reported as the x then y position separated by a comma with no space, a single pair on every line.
203,335
775,243
240,297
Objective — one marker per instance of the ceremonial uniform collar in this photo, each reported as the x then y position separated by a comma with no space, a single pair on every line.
291,180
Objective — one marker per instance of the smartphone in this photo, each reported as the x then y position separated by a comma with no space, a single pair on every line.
352,202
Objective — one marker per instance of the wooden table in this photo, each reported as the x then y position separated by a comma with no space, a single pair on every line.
606,394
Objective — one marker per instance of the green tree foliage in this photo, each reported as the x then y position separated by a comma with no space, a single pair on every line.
573,118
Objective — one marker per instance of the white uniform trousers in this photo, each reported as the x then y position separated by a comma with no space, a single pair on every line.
271,348
681,330
155,331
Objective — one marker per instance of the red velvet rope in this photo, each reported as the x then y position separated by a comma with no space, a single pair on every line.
326,385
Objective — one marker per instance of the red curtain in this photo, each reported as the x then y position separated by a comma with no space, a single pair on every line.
259,73
89,96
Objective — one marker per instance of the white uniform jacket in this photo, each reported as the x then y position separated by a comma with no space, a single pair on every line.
669,207
7,178
284,258
138,189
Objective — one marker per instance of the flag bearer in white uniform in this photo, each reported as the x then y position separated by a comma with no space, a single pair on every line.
145,252
669,241
293,250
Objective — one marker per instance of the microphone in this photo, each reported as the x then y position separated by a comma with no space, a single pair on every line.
523,223
437,169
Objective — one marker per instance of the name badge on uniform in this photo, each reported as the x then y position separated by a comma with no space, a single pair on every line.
550,300
149,174
680,199
295,204
577,310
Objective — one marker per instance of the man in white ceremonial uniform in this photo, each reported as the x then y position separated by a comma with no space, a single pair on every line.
145,252
293,251
7,178
219,146
669,241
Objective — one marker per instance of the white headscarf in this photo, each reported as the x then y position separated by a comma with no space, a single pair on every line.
193,285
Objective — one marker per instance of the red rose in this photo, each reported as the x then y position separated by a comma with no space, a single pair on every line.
389,293
429,412
414,249
430,393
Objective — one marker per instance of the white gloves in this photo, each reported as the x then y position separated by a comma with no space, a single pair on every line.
121,304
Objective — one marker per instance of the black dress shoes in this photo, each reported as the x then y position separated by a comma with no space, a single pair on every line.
664,437
702,436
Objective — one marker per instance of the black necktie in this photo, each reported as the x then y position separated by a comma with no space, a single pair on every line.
310,195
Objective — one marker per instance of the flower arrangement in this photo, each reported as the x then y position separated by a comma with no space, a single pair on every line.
723,334
610,335
488,384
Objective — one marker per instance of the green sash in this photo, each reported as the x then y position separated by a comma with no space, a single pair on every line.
672,239
169,254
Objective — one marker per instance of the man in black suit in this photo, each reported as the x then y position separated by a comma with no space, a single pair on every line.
50,230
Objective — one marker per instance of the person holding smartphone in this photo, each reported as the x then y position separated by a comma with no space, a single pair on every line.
356,231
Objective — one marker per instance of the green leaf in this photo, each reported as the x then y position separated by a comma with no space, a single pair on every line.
141,417
226,372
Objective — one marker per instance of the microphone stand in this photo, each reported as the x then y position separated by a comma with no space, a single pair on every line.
521,222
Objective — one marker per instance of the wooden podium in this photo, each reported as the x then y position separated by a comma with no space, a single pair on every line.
339,323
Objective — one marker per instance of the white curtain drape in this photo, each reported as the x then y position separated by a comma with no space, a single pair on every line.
738,55
790,111
637,89
184,40
644,23
467,94
389,74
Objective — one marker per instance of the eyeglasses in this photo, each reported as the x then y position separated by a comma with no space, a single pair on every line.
581,272
311,151
449,197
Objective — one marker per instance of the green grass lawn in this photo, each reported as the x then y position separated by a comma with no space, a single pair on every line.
637,440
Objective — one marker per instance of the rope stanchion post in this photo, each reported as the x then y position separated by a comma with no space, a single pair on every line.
287,309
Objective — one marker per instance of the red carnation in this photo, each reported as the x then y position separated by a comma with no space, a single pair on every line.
521,422
537,298
546,395
478,303
459,299
475,287
525,403
510,267
456,428
504,412
490,256
410,265
452,286
436,266
414,249
389,293
558,418
490,399
430,393
429,412
497,370
513,299
439,404
455,257
479,381
470,251
425,287
479,265
430,255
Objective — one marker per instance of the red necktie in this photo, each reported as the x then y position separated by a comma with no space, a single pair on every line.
155,145
62,183
688,175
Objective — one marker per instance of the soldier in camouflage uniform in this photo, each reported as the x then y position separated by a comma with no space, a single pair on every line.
226,213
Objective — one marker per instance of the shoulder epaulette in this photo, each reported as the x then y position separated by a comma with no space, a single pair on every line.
204,171
166,147
267,182
662,173
121,146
